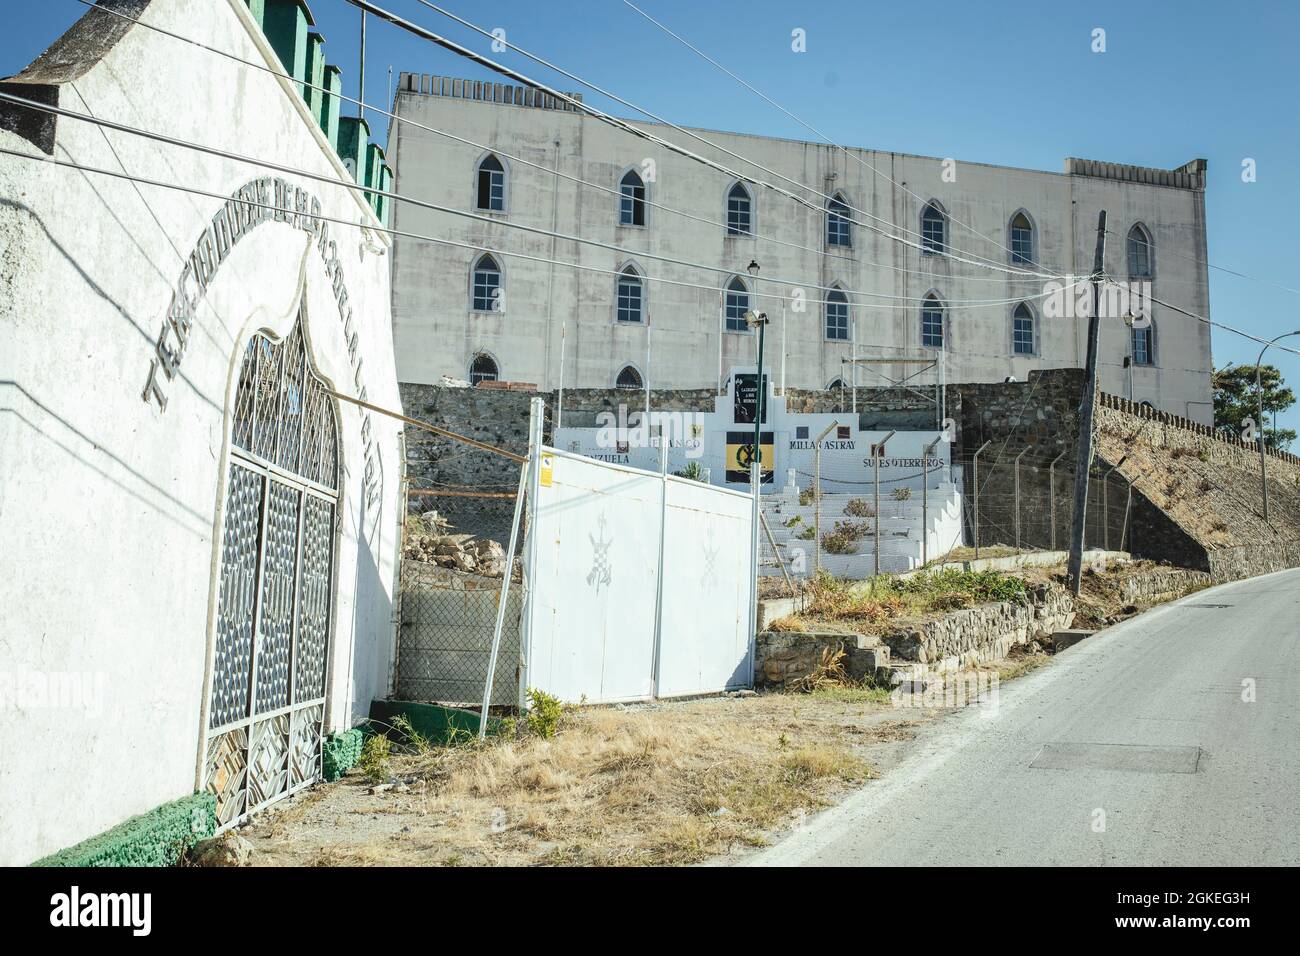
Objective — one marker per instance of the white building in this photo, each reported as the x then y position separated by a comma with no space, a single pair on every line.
963,282
199,540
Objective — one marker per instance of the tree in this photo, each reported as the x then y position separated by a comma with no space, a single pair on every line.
1236,401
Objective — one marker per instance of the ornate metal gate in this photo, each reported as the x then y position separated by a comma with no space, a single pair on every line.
267,699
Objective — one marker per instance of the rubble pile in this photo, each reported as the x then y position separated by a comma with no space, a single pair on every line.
429,538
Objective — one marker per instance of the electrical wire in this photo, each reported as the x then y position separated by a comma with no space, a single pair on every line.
407,121
623,125
412,235
700,53
348,184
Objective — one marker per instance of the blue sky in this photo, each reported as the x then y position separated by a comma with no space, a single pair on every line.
1012,83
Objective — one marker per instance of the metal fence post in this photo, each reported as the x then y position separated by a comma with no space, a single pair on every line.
659,577
1051,494
925,500
536,412
1017,495
975,492
504,595
878,454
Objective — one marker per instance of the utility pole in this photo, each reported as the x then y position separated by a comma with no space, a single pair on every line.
1086,414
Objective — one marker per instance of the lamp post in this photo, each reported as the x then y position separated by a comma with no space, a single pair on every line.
1259,393
758,320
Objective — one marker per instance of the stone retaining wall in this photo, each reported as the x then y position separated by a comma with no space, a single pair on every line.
981,634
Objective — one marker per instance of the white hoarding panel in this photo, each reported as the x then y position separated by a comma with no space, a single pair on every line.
593,590
706,627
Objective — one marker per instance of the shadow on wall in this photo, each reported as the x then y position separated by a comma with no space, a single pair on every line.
86,451
373,630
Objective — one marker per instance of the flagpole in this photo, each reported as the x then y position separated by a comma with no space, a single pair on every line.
559,398
647,371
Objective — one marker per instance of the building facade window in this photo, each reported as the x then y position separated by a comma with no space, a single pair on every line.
483,369
632,199
1022,330
737,305
491,191
839,231
631,297
932,324
1144,345
934,230
740,211
837,316
1022,239
629,378
1140,258
486,293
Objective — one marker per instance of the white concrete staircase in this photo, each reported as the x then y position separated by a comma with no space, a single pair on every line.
900,531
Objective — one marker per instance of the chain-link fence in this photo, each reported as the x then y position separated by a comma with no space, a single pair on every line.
445,636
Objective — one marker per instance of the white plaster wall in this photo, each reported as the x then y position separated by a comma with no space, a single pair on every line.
437,333
109,508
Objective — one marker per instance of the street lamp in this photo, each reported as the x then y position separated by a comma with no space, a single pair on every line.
1129,319
1259,392
757,320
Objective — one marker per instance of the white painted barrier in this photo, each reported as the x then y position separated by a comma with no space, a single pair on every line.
596,628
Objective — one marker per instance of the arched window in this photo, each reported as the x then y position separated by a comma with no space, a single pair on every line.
1022,330
838,228
266,700
1144,344
740,211
934,229
629,378
835,383
630,297
491,192
482,369
486,295
737,305
1140,257
1022,239
631,200
932,330
837,316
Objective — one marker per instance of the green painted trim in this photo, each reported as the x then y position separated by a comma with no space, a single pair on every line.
341,751
156,838
285,26
315,71
258,9
437,723
354,135
328,113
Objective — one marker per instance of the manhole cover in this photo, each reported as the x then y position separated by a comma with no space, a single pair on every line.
1133,758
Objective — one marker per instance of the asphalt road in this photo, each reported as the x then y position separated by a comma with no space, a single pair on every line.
1135,747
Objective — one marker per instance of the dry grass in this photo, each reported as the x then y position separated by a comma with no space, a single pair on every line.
671,784
790,624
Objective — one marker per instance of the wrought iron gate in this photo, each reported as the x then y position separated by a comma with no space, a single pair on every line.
267,699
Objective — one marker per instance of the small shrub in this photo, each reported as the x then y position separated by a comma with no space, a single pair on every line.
806,497
414,739
859,508
837,542
829,670
375,757
788,624
807,534
793,521
693,470
545,713
853,530
901,494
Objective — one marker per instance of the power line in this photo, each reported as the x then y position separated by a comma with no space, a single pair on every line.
623,125
1211,265
348,184
512,156
405,234
803,123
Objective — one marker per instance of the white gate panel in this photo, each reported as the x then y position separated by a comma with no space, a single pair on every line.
706,627
593,585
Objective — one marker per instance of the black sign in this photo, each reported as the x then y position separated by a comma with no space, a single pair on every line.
745,407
